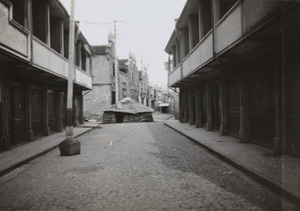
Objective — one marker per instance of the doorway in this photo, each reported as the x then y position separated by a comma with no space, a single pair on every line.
16,114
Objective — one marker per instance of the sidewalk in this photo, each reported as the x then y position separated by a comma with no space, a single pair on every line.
18,156
281,173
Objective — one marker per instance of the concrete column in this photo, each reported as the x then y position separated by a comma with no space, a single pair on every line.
184,43
244,113
5,140
186,106
80,101
283,31
191,106
28,15
78,54
181,116
75,120
200,20
59,125
62,37
209,107
277,138
191,37
2,114
47,24
198,104
216,11
174,53
28,123
178,51
46,129
223,102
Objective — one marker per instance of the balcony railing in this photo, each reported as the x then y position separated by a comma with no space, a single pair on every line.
175,75
243,17
229,29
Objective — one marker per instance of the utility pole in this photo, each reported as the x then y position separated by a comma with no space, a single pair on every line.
70,146
116,63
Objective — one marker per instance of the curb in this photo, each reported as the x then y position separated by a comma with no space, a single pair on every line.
249,171
27,160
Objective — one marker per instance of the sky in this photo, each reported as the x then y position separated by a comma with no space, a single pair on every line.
144,28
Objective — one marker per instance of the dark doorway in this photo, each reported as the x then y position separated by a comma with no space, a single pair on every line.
16,114
37,112
119,117
233,106
51,111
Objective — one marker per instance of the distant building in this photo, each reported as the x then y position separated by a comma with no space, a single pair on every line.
143,87
34,45
104,91
236,64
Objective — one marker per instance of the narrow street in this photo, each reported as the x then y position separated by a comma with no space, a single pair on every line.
134,166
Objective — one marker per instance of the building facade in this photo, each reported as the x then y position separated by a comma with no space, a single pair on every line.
34,70
104,90
236,64
143,87
103,93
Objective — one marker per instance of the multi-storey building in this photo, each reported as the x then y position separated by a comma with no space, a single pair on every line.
34,69
236,63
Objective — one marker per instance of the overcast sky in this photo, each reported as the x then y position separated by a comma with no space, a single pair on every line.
146,28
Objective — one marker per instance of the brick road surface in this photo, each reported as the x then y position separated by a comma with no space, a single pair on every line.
138,166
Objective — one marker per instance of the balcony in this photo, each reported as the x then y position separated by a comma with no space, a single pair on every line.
229,28
14,38
242,19
198,56
47,59
175,75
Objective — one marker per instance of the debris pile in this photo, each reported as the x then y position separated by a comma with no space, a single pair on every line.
127,110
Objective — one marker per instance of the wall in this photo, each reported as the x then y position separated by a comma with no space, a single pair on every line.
96,101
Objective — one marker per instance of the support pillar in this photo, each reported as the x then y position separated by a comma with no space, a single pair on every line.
75,120
80,101
277,138
191,40
200,20
223,108
191,106
186,106
46,129
5,140
47,24
284,143
181,105
2,114
62,37
28,124
78,54
198,106
216,11
209,107
58,109
244,113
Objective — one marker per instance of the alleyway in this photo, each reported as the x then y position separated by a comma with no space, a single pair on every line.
138,166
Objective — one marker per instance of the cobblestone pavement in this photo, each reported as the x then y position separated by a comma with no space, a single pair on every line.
138,166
